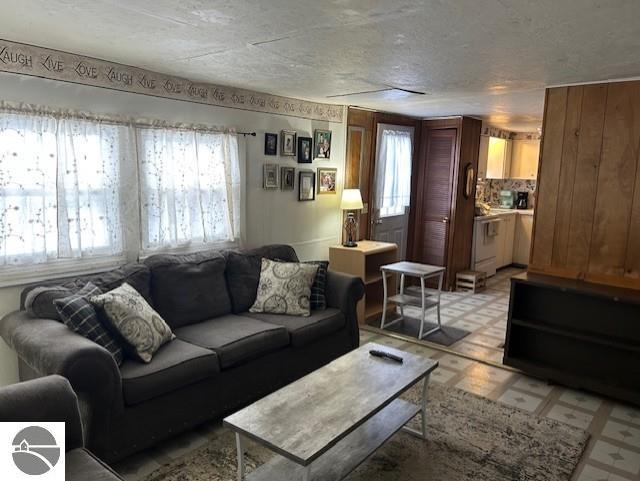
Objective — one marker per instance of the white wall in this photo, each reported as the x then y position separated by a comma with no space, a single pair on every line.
271,216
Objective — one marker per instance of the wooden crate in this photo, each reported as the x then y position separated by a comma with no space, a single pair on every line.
473,281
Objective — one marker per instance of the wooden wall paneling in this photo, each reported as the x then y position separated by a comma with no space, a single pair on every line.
548,178
632,260
463,209
567,176
365,120
616,181
594,102
355,151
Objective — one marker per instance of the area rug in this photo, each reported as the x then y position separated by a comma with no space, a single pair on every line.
470,439
410,326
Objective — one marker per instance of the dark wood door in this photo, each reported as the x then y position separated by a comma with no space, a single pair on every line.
437,185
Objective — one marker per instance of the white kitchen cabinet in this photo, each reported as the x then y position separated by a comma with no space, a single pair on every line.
495,158
525,155
522,245
482,157
506,235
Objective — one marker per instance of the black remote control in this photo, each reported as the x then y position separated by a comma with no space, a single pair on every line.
388,355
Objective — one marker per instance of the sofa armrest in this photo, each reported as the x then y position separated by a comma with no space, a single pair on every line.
343,292
49,347
47,399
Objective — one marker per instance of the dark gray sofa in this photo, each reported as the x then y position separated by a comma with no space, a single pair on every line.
51,399
223,357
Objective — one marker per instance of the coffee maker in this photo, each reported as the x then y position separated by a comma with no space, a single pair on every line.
523,200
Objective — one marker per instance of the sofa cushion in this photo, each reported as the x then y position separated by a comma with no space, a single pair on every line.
81,465
135,274
235,339
189,288
305,330
243,272
175,365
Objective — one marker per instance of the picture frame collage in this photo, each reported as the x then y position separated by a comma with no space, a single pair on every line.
305,150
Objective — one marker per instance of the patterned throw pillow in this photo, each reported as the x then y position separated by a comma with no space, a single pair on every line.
318,298
135,320
80,316
284,288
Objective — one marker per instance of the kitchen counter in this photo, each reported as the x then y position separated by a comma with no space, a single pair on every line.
497,212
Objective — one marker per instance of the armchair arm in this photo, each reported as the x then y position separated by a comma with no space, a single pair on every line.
46,399
343,292
50,347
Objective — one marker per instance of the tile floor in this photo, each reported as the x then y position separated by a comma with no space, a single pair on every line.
613,453
483,314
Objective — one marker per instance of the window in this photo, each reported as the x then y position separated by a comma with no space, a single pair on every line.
393,171
76,195
190,187
59,188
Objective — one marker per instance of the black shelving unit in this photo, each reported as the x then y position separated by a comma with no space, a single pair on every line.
581,335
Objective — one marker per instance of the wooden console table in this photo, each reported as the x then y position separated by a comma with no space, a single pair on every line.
364,262
575,333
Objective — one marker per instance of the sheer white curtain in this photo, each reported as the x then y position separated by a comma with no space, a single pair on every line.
189,187
393,172
59,188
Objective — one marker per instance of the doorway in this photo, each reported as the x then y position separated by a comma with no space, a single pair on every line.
391,197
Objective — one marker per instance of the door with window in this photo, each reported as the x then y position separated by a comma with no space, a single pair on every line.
392,185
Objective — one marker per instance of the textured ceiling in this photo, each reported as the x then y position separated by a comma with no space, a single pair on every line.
488,58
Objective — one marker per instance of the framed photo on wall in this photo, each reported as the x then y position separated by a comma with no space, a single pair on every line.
305,150
288,142
287,178
327,180
270,144
270,176
306,185
322,144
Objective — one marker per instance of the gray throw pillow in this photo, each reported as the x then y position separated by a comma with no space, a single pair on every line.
40,301
80,316
284,288
135,320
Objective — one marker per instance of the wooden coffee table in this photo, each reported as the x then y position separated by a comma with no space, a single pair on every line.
326,424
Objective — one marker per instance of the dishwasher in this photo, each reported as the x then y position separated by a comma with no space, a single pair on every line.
485,244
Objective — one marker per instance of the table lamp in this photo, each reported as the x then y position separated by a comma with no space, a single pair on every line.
351,201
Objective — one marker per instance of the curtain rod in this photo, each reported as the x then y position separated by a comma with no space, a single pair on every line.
109,119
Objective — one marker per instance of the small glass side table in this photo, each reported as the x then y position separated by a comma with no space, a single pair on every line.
425,301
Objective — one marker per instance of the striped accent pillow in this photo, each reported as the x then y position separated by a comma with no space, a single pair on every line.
80,316
318,299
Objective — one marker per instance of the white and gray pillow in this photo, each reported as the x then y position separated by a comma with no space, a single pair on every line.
284,288
135,320
80,316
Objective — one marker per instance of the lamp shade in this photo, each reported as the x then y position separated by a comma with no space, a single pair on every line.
351,199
